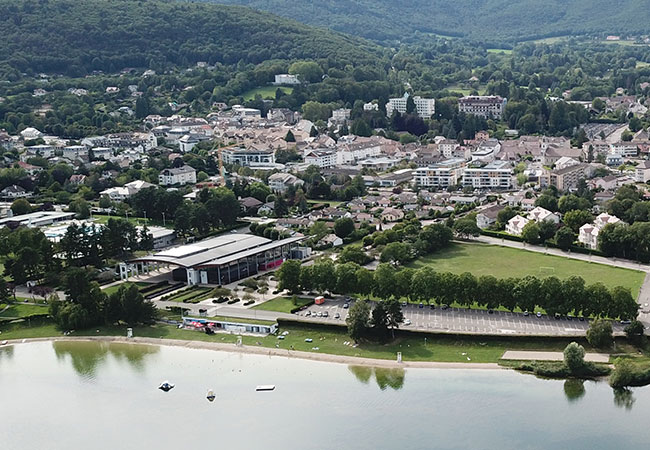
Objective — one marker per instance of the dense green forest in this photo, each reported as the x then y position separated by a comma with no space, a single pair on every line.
78,37
485,20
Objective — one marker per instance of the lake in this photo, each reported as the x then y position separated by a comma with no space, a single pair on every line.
91,395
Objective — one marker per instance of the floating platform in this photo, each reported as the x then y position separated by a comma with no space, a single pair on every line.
265,387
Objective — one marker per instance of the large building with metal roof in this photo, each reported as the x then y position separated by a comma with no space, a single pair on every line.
224,259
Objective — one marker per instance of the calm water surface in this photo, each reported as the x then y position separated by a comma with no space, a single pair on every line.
77,395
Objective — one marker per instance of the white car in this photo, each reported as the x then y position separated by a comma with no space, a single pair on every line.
407,322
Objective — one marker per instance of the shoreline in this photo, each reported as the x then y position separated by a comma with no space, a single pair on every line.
264,351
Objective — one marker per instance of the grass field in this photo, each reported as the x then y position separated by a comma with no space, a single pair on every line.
504,51
282,304
330,340
267,92
19,310
502,262
551,40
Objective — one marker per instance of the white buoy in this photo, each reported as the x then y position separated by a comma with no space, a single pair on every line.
211,395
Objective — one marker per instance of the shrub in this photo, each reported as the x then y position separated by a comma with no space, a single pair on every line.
600,334
574,357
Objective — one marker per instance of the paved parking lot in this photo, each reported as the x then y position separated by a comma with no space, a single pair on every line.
461,320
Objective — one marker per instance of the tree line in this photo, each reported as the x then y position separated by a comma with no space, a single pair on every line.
555,296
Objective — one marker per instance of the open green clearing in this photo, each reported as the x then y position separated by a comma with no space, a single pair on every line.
328,339
623,42
465,90
267,92
504,51
101,219
283,304
504,262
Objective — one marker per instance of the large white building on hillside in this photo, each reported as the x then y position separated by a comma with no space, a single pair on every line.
483,105
425,107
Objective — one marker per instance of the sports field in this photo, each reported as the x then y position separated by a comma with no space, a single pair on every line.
503,262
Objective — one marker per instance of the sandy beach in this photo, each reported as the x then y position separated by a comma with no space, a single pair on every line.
324,357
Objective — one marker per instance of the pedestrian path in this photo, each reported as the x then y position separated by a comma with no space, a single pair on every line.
552,356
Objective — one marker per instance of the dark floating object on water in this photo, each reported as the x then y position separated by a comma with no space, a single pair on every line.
211,395
265,387
166,386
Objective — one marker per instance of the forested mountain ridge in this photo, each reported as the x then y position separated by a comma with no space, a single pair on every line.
77,37
486,20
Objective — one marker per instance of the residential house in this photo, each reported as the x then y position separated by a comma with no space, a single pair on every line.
606,183
540,214
14,191
122,193
177,175
588,235
330,240
391,215
488,216
281,182
515,226
249,204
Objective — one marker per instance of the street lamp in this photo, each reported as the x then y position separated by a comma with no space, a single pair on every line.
163,215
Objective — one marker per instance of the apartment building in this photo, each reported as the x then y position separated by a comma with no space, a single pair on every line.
496,175
441,175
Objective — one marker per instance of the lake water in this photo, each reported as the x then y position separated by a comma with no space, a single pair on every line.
78,395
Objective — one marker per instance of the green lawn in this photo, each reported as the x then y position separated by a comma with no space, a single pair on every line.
502,262
19,310
103,219
267,92
331,340
112,289
283,304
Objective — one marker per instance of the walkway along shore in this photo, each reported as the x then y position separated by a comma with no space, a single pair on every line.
255,350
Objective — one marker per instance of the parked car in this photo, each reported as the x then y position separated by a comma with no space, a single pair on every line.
407,321
626,322
432,306
444,307
421,305
337,316
346,305
526,313
326,314
320,314
308,313
539,314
